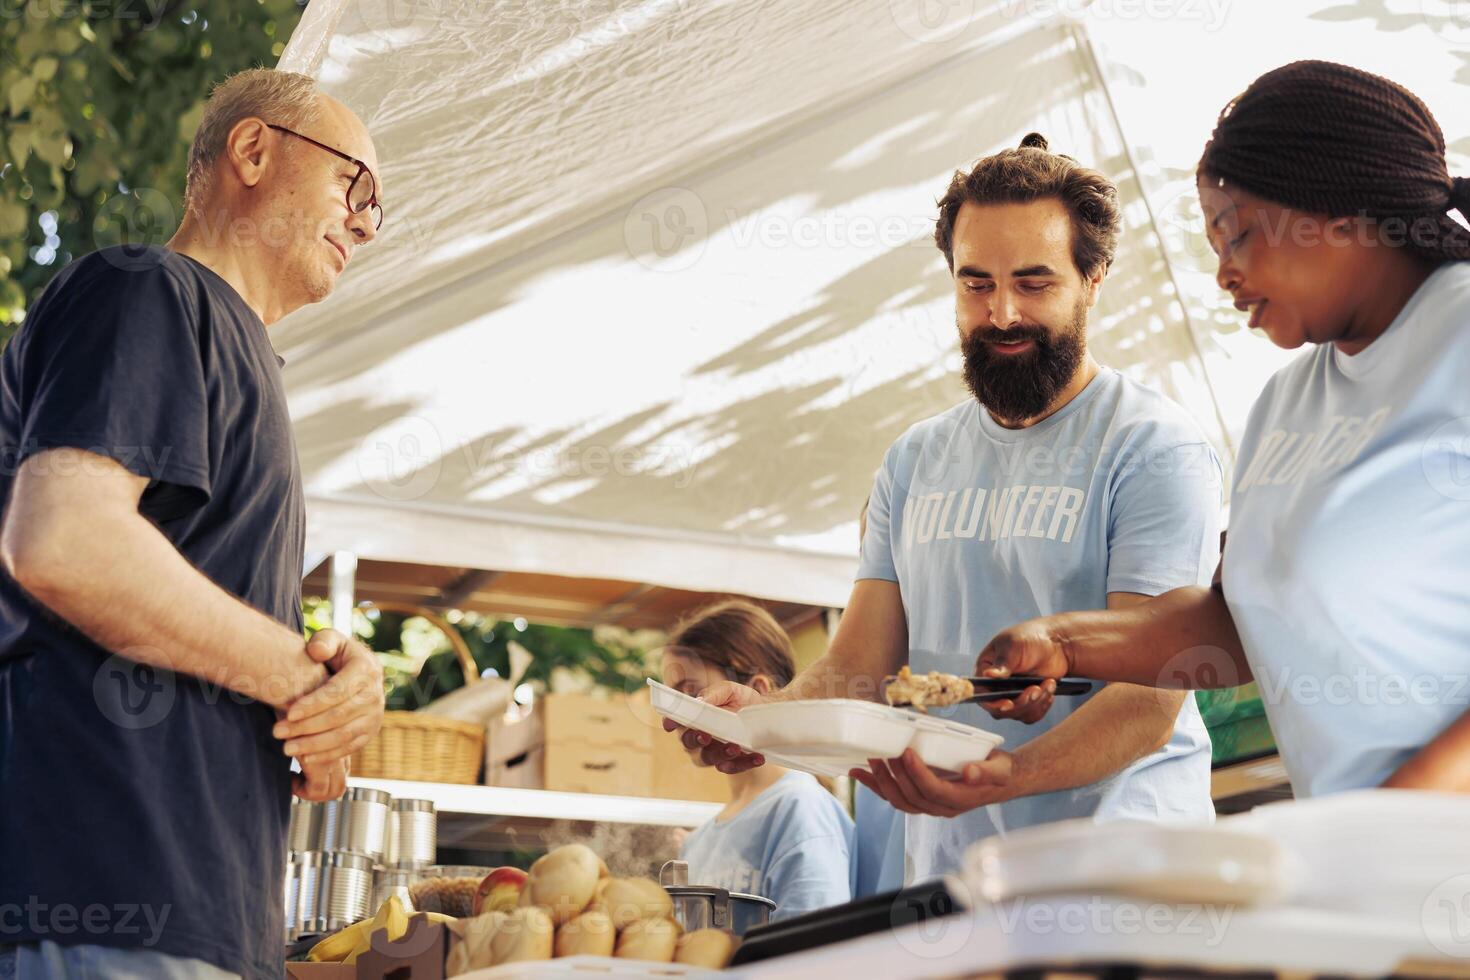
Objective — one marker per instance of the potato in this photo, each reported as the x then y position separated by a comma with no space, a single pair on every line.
649,939
627,900
589,934
710,948
563,882
523,935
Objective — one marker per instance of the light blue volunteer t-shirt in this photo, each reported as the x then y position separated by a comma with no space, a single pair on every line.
983,527
793,844
1347,567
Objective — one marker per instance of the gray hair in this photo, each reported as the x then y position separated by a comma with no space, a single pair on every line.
284,98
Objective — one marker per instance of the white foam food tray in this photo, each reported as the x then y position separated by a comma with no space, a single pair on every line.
829,737
1159,862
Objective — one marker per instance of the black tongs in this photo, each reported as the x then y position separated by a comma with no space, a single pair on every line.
998,688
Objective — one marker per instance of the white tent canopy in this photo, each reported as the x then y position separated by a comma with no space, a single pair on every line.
657,285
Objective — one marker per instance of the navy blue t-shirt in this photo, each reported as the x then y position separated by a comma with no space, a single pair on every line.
143,808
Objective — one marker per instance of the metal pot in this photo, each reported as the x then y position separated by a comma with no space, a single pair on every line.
707,907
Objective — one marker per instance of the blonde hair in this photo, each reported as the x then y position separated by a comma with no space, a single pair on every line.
284,98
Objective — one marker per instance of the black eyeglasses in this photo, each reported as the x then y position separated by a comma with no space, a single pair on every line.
361,194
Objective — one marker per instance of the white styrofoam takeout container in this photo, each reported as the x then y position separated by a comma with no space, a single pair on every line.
830,737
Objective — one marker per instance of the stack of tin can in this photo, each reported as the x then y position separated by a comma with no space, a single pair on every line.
347,856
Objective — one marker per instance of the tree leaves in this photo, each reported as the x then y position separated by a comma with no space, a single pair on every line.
101,100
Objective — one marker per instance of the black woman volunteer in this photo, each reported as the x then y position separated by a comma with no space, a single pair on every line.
1345,585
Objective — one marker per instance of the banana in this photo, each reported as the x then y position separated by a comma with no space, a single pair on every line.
391,918
338,945
350,943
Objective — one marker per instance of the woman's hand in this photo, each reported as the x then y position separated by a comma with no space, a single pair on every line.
1032,647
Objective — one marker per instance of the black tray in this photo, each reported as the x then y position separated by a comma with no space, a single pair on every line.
878,913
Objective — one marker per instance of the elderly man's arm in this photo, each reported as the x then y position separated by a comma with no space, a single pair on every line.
74,539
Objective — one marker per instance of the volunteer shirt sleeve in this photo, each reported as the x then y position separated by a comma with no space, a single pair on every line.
112,365
876,555
1164,519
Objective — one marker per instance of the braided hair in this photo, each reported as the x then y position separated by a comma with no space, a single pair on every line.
1335,140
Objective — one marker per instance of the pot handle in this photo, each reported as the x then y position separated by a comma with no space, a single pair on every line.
674,873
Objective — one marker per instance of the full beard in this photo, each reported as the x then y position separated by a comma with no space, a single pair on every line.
1016,387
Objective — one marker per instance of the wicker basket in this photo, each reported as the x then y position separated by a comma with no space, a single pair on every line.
414,745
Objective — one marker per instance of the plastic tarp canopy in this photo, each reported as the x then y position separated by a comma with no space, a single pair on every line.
657,285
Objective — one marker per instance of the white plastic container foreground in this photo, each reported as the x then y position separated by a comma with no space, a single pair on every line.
836,735
1158,862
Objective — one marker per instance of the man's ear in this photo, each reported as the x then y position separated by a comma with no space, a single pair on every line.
762,684
1093,284
249,150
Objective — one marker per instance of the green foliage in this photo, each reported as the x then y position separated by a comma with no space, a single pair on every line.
99,100
419,665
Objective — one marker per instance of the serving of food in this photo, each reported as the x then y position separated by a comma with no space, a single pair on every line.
924,691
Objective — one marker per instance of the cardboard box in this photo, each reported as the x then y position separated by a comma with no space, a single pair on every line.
525,771
321,971
510,736
594,720
581,767
676,777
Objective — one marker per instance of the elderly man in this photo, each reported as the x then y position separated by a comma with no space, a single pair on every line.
154,682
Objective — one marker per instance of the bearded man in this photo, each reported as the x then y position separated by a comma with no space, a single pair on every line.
1061,485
